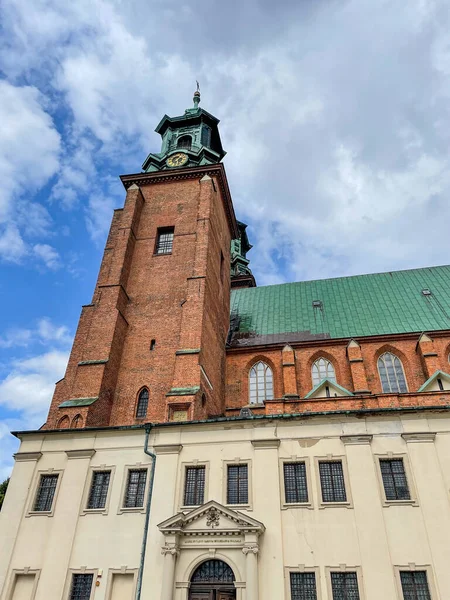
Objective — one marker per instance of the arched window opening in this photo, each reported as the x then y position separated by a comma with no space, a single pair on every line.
322,369
391,372
261,383
185,142
77,422
63,423
142,404
213,571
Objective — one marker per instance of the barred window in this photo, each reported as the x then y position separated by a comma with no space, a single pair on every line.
194,486
303,586
394,479
45,493
261,383
164,240
135,492
237,484
142,404
81,586
391,372
345,585
332,481
295,482
322,369
99,489
415,585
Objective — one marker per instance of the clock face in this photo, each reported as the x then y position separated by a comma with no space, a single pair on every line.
177,160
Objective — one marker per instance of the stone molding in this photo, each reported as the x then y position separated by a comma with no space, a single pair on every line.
425,436
27,456
168,449
82,453
251,548
173,550
268,443
356,439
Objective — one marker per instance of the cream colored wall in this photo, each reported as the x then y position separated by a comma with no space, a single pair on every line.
368,534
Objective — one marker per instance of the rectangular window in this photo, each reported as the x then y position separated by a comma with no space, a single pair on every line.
135,492
99,489
295,483
237,484
194,486
303,586
332,481
164,240
415,585
45,493
394,479
344,585
81,586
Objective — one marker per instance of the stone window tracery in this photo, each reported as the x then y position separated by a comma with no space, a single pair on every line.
261,383
391,373
322,369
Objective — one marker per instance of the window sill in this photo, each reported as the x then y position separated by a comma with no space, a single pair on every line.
137,509
335,505
163,254
411,502
40,513
94,511
287,505
239,506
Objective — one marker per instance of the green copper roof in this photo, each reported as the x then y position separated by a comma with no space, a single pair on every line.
345,307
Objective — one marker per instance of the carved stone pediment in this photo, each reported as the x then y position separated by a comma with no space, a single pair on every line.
211,520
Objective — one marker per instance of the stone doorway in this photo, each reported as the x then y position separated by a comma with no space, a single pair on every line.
212,580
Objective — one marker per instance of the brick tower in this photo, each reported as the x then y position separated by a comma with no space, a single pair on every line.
151,344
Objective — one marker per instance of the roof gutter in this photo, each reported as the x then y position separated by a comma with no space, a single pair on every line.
147,513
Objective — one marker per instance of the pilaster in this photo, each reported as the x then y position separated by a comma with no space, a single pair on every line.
357,368
428,355
289,373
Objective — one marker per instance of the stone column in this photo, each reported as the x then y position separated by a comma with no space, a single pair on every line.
251,552
170,552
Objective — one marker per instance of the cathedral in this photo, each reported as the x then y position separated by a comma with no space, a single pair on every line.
216,440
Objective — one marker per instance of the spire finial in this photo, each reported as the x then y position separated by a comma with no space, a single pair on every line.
197,95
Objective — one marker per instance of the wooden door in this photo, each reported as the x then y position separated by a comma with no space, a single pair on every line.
226,596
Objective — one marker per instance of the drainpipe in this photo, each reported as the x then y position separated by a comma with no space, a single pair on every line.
147,513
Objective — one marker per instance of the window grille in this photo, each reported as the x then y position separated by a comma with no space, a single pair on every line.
303,586
194,487
237,484
295,482
213,571
185,142
391,374
261,383
45,493
415,585
135,492
99,489
142,405
345,585
332,481
394,479
81,586
322,369
164,241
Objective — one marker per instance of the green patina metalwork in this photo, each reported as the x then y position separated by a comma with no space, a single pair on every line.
436,375
363,305
239,249
78,402
331,384
188,391
102,361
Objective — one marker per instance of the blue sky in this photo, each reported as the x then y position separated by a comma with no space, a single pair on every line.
335,117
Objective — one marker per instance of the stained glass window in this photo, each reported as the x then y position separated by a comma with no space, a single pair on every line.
391,373
135,492
322,369
394,479
261,383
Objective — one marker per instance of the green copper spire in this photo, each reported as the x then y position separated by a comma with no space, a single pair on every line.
190,140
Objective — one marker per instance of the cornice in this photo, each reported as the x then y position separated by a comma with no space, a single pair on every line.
425,436
363,438
268,443
27,456
217,170
82,453
168,449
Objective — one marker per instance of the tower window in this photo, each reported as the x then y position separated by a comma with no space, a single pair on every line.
391,374
152,344
261,383
185,142
322,369
206,136
142,405
164,240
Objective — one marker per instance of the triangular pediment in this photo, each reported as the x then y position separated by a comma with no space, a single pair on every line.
328,389
438,382
211,517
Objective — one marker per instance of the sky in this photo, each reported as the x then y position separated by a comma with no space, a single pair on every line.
335,115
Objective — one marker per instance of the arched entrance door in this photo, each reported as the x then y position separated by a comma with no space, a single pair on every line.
212,580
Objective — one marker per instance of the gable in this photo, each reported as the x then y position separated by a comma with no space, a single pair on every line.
328,389
434,383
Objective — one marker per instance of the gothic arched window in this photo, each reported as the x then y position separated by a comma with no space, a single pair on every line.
322,369
142,404
77,422
185,141
391,372
261,383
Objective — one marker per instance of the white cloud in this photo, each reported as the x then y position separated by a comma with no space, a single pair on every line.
12,246
44,332
48,255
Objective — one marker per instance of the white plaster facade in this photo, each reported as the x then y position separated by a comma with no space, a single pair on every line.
262,541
